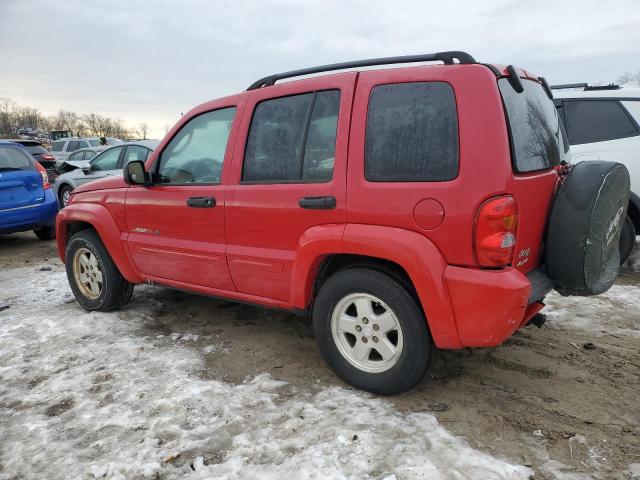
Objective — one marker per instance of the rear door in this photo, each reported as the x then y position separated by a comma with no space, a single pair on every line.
20,182
289,175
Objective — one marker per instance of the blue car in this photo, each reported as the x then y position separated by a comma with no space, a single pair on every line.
27,201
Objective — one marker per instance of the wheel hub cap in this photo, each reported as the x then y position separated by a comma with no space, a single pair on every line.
87,273
367,332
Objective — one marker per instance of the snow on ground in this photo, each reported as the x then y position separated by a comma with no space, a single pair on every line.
91,395
602,314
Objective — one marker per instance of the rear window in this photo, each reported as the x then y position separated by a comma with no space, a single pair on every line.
15,158
35,149
591,121
537,140
412,133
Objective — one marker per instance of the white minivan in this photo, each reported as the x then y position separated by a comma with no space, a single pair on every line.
603,123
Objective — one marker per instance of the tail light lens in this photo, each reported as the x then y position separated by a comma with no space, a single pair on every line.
48,157
495,231
45,177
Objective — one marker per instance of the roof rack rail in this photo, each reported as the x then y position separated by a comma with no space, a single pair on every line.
586,86
446,57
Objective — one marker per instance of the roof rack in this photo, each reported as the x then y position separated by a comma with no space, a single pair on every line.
446,57
586,87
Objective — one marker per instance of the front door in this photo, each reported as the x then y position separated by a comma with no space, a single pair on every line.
177,226
288,177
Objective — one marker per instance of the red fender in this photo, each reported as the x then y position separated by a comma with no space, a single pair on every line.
102,221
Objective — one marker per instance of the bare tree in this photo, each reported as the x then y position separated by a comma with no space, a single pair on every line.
143,128
629,77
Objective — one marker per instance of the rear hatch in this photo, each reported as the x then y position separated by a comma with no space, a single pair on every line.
538,146
20,181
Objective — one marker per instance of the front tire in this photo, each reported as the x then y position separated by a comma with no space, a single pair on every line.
64,194
627,239
371,331
95,280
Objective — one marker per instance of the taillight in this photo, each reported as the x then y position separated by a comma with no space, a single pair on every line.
45,177
48,157
495,231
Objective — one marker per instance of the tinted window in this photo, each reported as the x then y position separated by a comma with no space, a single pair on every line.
537,140
596,121
12,158
107,160
135,152
412,133
73,146
57,146
35,149
83,144
292,139
196,153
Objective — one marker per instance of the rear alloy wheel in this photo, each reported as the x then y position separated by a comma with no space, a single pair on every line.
46,233
65,195
371,331
627,239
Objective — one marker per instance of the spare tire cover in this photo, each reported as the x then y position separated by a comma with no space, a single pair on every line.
582,253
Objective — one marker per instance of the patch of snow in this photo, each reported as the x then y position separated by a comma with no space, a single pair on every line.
103,395
608,313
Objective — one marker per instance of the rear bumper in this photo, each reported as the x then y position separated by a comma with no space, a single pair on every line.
31,217
490,305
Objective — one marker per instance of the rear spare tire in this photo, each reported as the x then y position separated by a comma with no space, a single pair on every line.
582,250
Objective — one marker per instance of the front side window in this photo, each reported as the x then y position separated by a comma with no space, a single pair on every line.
412,133
293,139
537,140
107,160
196,153
57,146
591,121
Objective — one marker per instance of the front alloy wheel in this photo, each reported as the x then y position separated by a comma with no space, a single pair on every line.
87,273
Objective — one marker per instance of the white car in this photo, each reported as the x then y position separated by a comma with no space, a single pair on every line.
603,123
64,147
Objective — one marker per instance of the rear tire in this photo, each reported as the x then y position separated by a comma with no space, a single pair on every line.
95,280
627,239
46,233
63,194
369,303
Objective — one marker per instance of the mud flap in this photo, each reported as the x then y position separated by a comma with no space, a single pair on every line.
582,249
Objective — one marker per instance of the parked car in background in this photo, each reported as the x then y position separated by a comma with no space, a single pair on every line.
106,163
603,123
62,148
27,201
379,202
79,159
41,154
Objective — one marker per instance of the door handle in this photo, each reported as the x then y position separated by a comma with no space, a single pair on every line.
318,203
201,202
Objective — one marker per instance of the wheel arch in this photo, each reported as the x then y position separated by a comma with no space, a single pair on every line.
80,216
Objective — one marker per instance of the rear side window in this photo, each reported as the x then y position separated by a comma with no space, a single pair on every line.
293,139
537,141
12,158
73,146
591,121
57,146
412,133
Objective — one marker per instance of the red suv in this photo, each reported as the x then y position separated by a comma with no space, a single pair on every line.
402,208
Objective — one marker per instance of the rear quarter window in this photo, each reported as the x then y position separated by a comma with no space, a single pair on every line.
536,135
411,133
590,121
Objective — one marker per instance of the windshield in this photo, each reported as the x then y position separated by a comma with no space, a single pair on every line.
537,137
14,158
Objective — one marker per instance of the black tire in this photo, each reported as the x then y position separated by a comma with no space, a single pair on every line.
417,346
582,253
627,239
45,233
115,292
61,193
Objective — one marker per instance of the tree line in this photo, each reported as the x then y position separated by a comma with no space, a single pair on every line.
14,116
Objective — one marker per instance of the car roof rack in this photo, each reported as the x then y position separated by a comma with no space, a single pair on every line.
446,57
586,87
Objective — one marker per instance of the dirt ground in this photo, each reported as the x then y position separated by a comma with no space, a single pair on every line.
563,401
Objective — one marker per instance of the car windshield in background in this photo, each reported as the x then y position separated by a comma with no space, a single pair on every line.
537,138
35,149
13,158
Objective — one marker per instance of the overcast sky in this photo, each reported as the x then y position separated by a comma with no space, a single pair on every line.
150,60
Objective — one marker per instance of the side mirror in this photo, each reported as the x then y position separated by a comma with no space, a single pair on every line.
134,173
86,170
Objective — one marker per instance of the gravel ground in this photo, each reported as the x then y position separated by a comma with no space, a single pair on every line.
181,386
